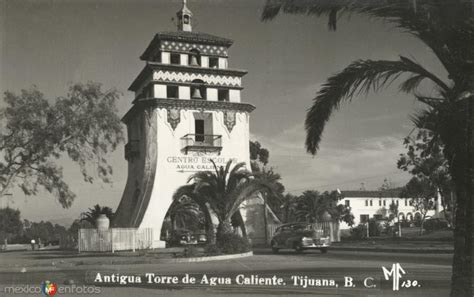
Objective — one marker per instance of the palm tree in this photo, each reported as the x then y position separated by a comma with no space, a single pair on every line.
93,213
188,191
183,211
287,207
272,198
222,192
447,28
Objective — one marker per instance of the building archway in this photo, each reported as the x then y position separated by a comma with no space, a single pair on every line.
184,221
401,216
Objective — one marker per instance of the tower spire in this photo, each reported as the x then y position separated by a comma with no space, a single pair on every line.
184,18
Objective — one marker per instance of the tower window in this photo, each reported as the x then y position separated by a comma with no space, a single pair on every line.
223,95
199,130
175,59
194,58
198,90
186,19
213,62
172,92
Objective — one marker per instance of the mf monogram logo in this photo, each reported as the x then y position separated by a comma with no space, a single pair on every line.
395,273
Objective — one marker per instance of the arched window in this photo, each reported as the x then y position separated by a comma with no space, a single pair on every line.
194,57
198,90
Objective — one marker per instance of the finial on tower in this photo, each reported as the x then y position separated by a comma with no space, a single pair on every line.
184,18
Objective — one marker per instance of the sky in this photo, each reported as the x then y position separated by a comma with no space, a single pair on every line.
51,44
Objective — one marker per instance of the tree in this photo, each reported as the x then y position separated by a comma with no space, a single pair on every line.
10,224
186,212
422,195
43,232
393,209
287,208
223,191
258,154
271,198
425,160
447,28
189,191
93,213
312,206
83,125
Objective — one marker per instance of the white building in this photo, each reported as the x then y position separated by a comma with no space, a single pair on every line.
187,110
366,205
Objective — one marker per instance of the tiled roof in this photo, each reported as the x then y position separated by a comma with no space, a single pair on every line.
194,36
372,194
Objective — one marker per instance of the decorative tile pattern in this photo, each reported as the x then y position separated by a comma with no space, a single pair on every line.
211,50
229,120
174,76
174,117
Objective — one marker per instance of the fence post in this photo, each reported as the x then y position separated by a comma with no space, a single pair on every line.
331,231
134,237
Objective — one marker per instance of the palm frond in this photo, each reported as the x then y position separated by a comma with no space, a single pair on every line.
447,27
359,77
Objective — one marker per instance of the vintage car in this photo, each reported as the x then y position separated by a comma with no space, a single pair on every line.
186,237
300,237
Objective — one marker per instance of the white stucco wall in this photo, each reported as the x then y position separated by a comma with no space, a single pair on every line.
223,63
171,174
205,61
184,59
184,92
211,94
234,95
159,91
165,57
359,207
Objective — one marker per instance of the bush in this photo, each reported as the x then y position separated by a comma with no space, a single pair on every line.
233,244
359,232
435,224
405,224
212,250
190,251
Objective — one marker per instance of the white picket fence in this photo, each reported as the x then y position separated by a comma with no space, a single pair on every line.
330,229
114,239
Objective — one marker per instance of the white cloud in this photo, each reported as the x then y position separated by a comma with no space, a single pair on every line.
367,161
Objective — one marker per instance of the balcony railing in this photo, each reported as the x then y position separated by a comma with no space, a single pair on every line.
202,142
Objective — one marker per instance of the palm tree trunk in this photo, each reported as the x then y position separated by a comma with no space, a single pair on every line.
463,176
241,224
265,219
210,234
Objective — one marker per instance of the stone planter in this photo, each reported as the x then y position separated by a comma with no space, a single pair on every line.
102,222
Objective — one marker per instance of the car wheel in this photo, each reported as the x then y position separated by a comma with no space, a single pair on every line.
298,247
323,250
274,247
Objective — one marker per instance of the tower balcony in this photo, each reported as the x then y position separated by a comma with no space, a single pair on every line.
202,143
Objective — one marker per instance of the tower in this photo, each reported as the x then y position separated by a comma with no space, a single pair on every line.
187,110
